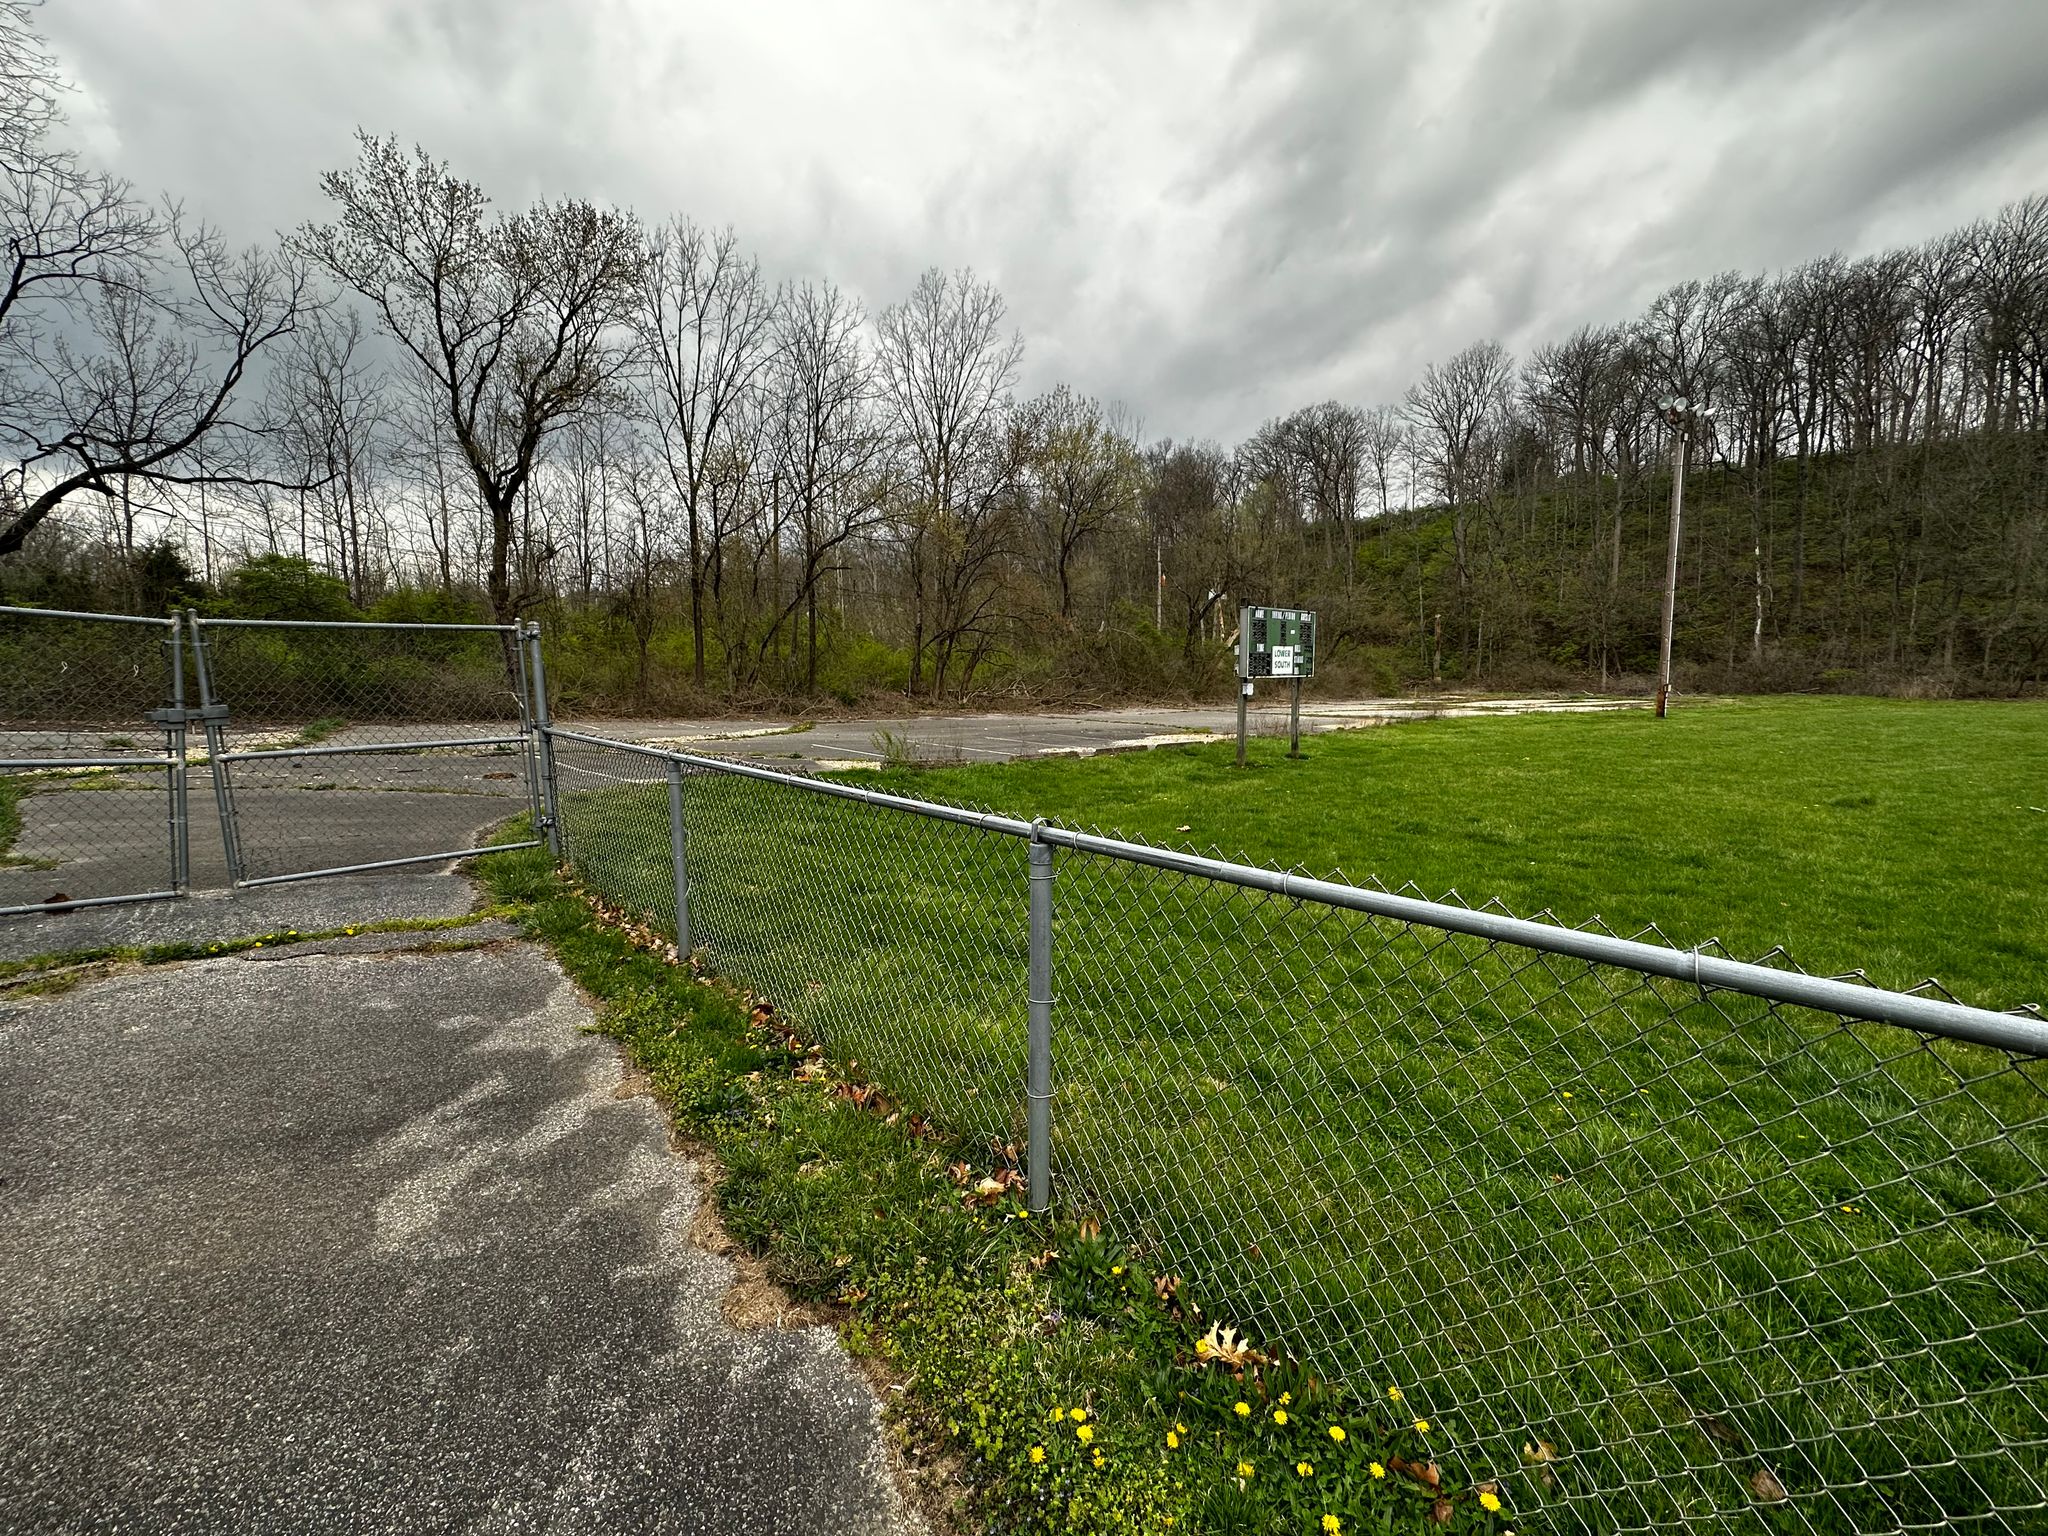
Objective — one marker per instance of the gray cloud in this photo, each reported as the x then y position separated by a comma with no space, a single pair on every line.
1212,212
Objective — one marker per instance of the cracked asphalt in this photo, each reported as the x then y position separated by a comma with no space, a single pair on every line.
365,1238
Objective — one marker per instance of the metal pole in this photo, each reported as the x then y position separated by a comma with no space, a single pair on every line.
677,844
1671,568
181,806
1038,1044
550,803
1244,693
1294,720
216,754
529,759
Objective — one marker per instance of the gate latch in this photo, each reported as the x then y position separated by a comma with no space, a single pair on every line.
186,716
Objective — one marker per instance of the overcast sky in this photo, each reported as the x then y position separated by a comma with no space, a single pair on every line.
1212,212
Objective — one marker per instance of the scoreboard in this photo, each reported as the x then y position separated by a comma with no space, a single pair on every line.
1276,642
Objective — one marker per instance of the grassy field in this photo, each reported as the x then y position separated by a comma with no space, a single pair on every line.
1907,839
1703,1250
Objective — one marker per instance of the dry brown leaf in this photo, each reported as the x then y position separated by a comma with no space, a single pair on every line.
1764,1483
1440,1512
1222,1346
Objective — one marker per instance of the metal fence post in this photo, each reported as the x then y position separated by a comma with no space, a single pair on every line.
550,802
216,748
174,738
1038,1047
678,844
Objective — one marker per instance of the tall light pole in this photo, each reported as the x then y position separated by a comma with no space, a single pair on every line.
1678,414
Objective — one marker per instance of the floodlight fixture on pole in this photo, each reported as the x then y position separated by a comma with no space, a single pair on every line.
1679,415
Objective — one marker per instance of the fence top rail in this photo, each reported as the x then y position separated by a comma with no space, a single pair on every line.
69,613
488,629
2020,1033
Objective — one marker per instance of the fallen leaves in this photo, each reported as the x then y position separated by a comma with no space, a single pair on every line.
1222,1346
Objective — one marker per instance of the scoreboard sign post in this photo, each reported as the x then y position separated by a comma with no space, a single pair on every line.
1274,643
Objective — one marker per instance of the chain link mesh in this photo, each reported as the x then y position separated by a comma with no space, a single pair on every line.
414,738
1655,1258
85,775
1659,1259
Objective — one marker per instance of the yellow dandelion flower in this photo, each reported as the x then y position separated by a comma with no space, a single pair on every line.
1180,1429
1377,1470
1337,1433
1202,1346
1286,1398
1304,1469
1242,1410
1279,1415
1037,1454
1422,1426
1244,1469
1172,1441
1058,1414
1080,1415
1333,1525
1084,1433
1490,1502
1100,1463
1393,1394
1116,1269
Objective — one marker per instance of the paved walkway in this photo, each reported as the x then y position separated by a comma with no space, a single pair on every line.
369,1239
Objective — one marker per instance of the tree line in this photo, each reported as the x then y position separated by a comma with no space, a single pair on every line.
713,485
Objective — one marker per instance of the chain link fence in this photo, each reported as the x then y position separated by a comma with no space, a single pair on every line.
91,759
1660,1240
347,746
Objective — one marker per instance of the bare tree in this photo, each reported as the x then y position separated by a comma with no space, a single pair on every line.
1454,409
706,326
833,458
1083,469
515,319
947,369
153,391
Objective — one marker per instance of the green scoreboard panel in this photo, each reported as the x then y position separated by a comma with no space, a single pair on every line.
1276,642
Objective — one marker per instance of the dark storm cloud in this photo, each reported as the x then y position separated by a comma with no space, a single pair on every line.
1212,212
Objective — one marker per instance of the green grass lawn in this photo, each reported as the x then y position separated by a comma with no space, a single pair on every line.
1700,1246
1903,838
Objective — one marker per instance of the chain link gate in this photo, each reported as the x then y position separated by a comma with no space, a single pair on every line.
343,747
92,760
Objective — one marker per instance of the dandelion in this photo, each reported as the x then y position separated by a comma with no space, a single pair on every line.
1180,1429
1080,1415
1377,1471
1100,1463
1490,1502
1393,1394
1422,1426
1058,1414
1116,1269
1286,1398
1202,1348
1279,1415
1242,1410
1172,1441
1084,1433
1304,1469
1244,1469
1337,1433
1333,1525
1037,1454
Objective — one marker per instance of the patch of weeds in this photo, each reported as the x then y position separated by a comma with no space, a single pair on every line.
207,949
895,748
122,744
1074,1386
